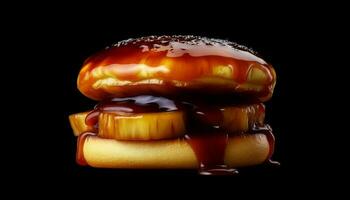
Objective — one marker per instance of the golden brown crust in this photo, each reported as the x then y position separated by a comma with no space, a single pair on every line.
177,153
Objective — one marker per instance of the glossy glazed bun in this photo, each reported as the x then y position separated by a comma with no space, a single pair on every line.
175,64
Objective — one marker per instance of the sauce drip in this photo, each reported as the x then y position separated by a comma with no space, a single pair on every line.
80,159
205,133
131,105
267,131
210,151
201,112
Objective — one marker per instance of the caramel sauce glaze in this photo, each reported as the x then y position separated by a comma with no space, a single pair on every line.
174,62
205,134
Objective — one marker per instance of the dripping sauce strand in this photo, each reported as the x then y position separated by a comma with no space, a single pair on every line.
80,159
210,152
206,137
267,131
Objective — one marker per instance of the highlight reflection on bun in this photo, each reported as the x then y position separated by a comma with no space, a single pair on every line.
175,64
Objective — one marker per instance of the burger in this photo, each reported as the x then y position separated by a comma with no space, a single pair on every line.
175,102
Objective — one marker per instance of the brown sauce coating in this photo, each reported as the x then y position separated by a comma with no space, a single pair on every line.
174,64
204,133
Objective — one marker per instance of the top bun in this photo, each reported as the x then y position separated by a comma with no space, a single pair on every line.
171,65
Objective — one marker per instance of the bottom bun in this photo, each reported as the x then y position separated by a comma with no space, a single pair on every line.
240,151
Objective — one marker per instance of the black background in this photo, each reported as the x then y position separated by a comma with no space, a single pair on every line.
294,39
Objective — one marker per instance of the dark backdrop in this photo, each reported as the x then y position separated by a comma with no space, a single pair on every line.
45,43
292,40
